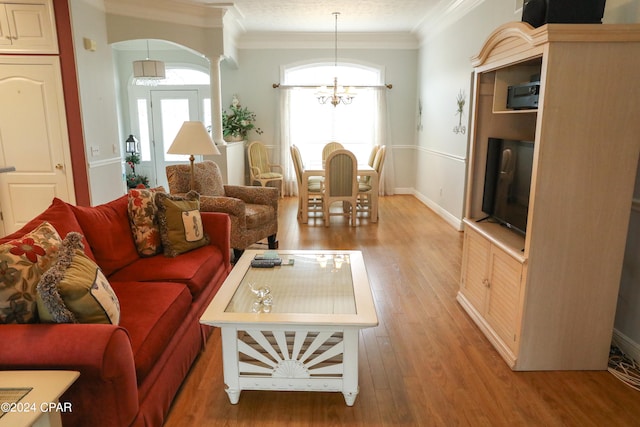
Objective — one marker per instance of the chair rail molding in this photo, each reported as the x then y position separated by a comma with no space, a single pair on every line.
439,153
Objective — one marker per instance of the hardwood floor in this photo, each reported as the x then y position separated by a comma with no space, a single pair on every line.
425,364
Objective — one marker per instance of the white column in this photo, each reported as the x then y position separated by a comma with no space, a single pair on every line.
216,100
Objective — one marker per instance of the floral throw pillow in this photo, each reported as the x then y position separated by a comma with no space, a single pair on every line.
180,222
74,289
143,218
22,263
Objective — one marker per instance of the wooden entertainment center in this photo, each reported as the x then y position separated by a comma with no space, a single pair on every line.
547,300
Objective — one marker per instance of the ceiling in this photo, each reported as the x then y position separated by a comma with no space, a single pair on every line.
307,23
316,15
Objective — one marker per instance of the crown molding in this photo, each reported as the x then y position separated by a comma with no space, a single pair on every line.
302,40
177,12
446,13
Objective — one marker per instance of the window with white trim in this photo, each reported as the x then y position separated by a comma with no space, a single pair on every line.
312,124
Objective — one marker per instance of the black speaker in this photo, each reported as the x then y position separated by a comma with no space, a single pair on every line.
540,12
534,12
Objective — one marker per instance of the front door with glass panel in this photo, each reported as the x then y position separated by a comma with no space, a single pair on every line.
169,109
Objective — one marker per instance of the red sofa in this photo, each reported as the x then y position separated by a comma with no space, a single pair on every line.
129,373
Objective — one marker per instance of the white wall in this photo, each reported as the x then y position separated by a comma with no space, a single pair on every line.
97,102
627,323
258,69
444,72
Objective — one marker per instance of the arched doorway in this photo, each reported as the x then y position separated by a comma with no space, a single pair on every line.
158,111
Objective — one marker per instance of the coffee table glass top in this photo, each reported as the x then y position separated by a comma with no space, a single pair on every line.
313,284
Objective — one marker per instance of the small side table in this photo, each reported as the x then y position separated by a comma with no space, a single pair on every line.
39,407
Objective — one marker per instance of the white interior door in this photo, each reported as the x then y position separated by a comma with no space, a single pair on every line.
169,109
33,139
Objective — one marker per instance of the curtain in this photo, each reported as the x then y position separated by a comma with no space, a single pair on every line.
382,136
289,187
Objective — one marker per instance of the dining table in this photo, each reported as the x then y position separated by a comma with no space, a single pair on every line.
316,169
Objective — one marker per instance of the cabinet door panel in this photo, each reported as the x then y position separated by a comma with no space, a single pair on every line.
28,28
503,305
5,35
474,269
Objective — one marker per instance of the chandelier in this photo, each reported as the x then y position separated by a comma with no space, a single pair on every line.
147,72
338,94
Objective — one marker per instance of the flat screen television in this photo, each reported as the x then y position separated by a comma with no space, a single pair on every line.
507,182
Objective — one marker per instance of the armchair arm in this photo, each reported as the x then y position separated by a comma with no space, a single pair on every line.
101,353
254,170
224,204
254,195
228,205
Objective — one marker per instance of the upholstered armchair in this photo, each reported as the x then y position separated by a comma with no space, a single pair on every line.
253,210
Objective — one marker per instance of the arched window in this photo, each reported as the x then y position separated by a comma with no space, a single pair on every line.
312,125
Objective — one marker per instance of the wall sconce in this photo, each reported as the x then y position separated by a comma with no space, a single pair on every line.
460,100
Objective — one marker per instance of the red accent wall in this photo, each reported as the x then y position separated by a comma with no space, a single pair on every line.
72,102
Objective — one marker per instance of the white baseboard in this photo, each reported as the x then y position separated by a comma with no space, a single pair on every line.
451,219
627,345
403,190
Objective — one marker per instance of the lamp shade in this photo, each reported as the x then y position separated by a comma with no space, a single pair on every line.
148,69
193,138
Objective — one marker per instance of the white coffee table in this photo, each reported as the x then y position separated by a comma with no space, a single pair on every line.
38,405
308,339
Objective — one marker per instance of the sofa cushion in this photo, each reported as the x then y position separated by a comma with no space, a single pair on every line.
151,312
74,290
60,215
22,263
195,269
143,219
258,215
181,228
106,228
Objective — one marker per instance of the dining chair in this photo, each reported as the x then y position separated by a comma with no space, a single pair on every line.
341,184
309,192
372,156
330,147
365,187
260,168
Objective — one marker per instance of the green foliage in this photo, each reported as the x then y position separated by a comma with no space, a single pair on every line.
238,121
133,159
134,180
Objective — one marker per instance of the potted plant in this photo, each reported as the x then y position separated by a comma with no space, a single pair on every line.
237,122
134,180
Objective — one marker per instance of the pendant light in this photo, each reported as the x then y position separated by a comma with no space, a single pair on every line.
147,71
339,94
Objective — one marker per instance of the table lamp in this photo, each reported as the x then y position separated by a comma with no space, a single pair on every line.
193,138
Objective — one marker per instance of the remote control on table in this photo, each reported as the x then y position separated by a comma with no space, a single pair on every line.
265,263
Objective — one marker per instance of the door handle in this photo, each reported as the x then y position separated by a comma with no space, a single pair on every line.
59,166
